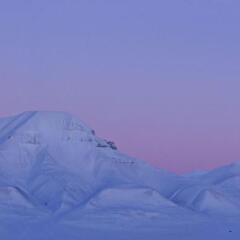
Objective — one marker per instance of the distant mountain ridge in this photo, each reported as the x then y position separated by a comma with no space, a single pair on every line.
53,163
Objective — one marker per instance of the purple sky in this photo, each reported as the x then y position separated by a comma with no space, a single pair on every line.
160,78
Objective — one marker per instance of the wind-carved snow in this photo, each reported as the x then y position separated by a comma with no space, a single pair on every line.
54,168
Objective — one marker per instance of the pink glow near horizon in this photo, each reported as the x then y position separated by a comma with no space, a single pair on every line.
161,80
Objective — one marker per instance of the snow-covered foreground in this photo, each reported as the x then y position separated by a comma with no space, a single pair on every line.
119,226
58,180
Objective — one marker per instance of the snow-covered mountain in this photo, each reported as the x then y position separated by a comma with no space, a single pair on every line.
53,165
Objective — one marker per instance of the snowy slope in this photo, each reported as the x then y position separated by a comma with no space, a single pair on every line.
59,161
53,167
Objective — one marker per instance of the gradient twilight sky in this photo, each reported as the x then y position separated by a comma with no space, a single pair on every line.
159,77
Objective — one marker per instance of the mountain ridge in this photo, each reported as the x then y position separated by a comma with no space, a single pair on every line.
60,164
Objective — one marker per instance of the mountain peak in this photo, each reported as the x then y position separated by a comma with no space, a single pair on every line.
49,128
